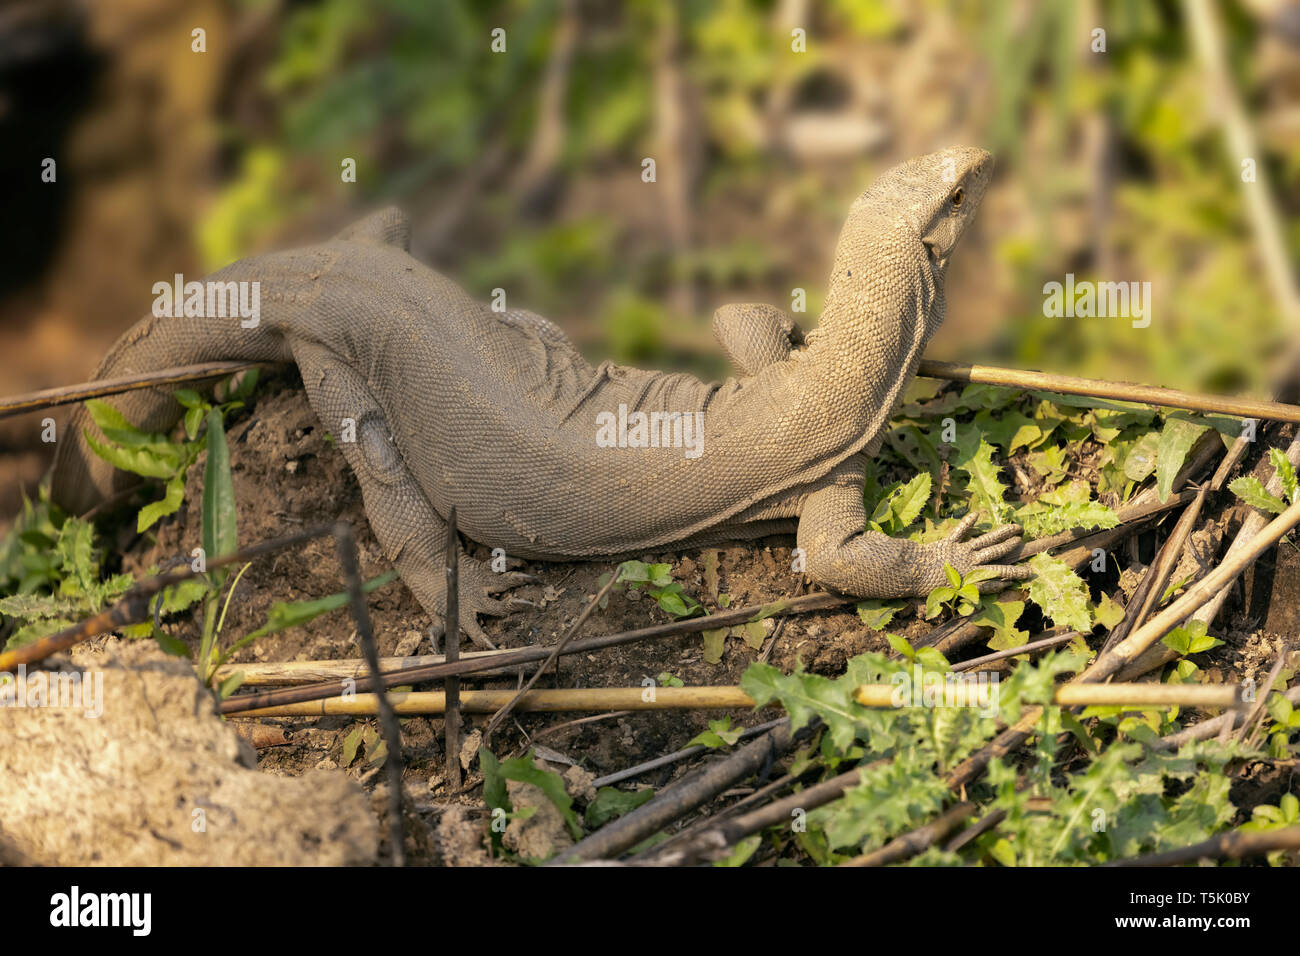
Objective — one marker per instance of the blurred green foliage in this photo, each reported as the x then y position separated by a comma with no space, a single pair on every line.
414,93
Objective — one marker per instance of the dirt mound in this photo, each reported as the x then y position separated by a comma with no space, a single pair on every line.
138,769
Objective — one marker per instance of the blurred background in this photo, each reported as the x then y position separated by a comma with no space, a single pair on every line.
522,169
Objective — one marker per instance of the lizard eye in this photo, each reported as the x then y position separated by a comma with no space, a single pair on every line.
958,197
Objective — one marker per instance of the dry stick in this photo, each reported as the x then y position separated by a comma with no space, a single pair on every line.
1156,577
1248,724
524,655
66,394
682,797
551,658
1097,388
1250,526
910,844
133,606
288,673
954,371
712,842
1234,846
451,638
1140,694
347,550
677,755
1028,648
1212,727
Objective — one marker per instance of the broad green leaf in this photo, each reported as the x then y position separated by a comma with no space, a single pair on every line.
611,803
1060,592
1176,440
169,504
220,536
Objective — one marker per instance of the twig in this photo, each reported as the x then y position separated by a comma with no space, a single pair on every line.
1157,575
712,842
1126,650
289,673
1248,724
1212,727
551,658
910,844
66,394
1139,694
1097,388
1040,645
451,647
1233,846
620,775
688,793
348,559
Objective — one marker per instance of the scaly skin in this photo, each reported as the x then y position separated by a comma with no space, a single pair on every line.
496,413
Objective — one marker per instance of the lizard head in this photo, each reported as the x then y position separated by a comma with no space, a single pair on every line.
932,198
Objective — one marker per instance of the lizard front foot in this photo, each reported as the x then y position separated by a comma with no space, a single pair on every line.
981,553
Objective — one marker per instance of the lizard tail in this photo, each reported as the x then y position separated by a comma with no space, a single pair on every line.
232,328
81,479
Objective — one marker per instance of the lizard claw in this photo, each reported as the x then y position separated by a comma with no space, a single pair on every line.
477,584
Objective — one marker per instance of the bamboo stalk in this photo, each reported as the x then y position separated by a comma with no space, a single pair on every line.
721,698
1202,696
954,371
66,394
545,701
1099,388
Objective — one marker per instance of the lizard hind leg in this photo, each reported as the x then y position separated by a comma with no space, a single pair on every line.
412,534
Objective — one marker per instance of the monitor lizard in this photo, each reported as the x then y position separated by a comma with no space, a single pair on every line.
497,413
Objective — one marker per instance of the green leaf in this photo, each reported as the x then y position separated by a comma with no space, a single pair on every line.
1285,472
1060,592
220,536
975,458
611,803
719,734
140,461
1191,639
1249,489
286,614
806,696
1141,459
170,503
523,770
1176,440
715,641
877,614
1002,617
908,501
